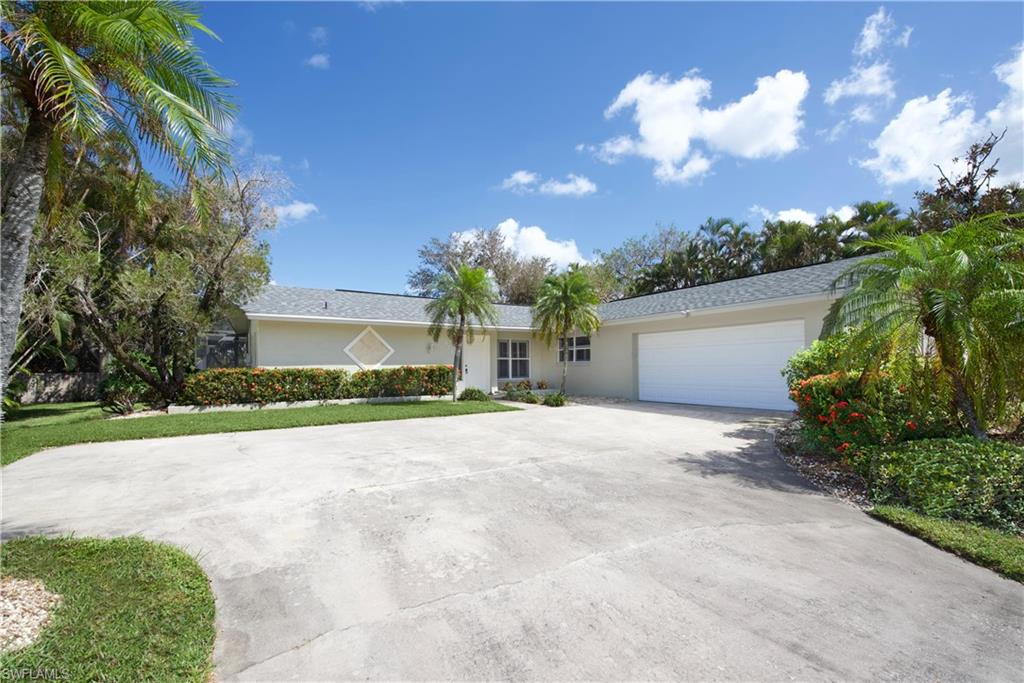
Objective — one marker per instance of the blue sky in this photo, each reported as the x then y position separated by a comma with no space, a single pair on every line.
578,125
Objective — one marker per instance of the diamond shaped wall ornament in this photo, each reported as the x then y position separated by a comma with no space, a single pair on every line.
369,349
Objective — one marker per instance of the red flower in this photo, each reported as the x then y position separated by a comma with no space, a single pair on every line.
911,425
842,404
842,447
856,416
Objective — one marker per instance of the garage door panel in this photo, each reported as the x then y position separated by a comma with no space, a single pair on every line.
729,366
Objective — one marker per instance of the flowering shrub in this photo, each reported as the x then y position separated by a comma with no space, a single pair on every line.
840,414
407,380
963,478
267,385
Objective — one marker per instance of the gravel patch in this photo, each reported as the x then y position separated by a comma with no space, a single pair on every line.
25,607
829,475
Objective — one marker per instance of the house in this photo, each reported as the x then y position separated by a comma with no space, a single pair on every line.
719,344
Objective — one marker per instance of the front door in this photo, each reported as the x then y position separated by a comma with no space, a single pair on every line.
476,364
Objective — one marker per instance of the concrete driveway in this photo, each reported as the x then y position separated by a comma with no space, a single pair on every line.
590,542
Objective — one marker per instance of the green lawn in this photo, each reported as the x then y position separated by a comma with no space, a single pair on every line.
34,428
1000,551
132,610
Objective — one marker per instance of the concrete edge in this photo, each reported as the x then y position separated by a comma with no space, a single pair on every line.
278,405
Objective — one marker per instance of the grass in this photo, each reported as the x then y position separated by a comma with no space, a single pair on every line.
34,428
998,550
132,610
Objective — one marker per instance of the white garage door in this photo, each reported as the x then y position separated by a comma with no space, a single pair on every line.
720,366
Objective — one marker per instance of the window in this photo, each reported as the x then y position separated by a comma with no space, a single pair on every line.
513,359
579,349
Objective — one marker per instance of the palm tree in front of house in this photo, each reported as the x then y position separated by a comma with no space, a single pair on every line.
566,303
465,304
963,289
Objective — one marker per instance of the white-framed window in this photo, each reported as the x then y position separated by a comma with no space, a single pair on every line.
579,350
513,359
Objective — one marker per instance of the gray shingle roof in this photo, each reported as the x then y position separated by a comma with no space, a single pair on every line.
354,305
371,306
781,284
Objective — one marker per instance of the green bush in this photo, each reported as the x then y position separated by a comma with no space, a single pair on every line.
473,394
268,385
963,478
823,357
120,389
842,412
554,400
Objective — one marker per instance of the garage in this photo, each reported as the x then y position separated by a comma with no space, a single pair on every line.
735,366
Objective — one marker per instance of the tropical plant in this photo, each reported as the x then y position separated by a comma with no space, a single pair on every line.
963,289
142,271
79,70
465,303
566,303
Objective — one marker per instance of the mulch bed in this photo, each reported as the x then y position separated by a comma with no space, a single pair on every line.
829,475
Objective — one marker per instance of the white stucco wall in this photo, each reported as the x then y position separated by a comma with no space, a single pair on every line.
612,368
610,372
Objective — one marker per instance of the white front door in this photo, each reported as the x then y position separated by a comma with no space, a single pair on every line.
476,364
719,366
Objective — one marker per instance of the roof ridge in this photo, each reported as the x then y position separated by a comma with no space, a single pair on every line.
734,279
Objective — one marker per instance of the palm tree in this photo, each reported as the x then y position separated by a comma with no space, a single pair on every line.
964,289
566,303
82,69
464,296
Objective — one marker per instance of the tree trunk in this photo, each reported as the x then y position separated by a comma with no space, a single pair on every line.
961,399
565,361
22,196
457,364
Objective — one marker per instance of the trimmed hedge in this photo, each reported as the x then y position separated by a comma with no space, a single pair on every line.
963,478
222,386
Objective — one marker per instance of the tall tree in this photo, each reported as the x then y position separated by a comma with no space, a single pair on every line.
970,193
964,289
143,273
465,303
80,69
567,303
517,278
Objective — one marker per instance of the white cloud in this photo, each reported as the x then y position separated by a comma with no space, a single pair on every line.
573,186
933,130
670,119
862,113
904,39
319,35
270,159
863,81
320,60
295,211
520,181
797,216
843,213
525,182
877,29
532,241
241,138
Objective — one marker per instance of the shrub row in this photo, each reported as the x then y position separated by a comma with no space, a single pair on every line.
963,478
222,386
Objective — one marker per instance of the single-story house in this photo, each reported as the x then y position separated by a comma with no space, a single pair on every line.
719,344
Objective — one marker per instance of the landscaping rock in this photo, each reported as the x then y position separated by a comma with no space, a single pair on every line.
828,475
25,608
